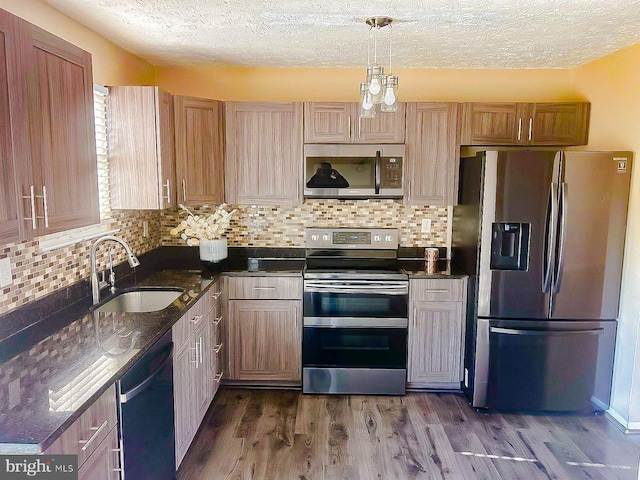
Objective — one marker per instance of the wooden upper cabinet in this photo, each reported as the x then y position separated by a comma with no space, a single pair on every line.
61,120
264,152
525,123
199,137
339,122
431,153
9,201
141,148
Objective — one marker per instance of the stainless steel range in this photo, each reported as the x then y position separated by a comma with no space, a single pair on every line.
355,313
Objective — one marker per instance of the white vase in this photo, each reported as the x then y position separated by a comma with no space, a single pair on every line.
213,250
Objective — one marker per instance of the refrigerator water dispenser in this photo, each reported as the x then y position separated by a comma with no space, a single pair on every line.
510,246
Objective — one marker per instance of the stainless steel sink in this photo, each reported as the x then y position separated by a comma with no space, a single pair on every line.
141,300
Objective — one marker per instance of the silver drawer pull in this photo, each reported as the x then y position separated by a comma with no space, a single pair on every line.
436,290
218,377
216,295
217,320
217,348
196,319
264,288
94,436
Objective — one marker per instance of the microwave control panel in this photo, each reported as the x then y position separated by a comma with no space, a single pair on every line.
391,172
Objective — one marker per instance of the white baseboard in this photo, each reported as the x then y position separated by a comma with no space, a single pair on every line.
632,428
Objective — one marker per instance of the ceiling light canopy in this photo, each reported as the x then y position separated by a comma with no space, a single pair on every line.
380,91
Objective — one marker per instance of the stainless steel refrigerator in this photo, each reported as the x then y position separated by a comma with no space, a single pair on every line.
541,234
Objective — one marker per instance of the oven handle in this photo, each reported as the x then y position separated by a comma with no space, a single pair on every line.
355,322
381,291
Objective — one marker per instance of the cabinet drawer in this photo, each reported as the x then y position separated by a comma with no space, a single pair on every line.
265,288
184,327
213,297
438,290
104,463
90,429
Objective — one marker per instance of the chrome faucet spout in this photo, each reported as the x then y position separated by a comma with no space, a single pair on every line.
95,284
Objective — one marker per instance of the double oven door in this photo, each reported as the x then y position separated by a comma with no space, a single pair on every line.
355,336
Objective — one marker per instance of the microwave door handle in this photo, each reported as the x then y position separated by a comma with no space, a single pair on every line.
378,173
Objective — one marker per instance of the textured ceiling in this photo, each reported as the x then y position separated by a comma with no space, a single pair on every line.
426,33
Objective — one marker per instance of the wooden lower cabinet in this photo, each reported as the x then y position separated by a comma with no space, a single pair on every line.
104,462
266,339
183,386
436,334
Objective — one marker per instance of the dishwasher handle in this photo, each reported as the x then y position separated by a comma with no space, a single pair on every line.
146,383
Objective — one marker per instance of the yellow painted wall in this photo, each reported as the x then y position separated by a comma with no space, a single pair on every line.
112,65
297,84
612,85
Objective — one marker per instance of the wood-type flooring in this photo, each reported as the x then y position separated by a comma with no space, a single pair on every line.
281,435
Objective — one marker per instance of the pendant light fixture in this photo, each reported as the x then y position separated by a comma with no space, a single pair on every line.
380,91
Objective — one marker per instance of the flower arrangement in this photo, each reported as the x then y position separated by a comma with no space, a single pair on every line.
203,227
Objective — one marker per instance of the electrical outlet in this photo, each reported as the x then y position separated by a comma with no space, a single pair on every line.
6,276
426,225
145,228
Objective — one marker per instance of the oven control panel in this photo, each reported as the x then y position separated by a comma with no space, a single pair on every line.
352,238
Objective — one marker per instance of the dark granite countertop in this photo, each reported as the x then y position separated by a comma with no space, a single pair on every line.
57,357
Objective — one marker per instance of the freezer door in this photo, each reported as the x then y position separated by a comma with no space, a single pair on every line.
518,217
593,201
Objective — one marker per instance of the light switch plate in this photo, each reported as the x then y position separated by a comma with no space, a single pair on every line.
6,276
426,225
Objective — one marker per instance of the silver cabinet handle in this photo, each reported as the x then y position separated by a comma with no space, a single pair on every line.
530,129
217,320
519,128
195,349
32,201
167,185
196,319
217,348
216,295
264,288
218,377
435,290
46,206
349,120
94,436
409,190
184,190
200,348
298,190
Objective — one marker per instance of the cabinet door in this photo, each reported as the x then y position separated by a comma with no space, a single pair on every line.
266,340
328,122
9,217
203,372
264,152
199,150
183,395
560,123
435,343
60,100
165,141
432,153
103,464
383,128
492,124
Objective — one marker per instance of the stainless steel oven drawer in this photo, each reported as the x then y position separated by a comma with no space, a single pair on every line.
354,381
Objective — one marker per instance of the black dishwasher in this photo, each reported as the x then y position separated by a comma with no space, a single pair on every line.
145,395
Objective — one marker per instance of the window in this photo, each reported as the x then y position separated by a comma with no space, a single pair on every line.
100,95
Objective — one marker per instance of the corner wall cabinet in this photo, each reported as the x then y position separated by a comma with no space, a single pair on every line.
338,122
49,111
142,164
264,153
265,329
525,123
432,151
94,438
199,137
436,333
196,366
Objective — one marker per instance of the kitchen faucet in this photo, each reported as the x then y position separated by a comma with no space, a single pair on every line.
95,283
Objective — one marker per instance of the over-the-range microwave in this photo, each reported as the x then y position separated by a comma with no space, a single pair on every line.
353,171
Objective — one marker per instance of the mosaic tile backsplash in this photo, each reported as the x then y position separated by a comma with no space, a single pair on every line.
36,273
279,226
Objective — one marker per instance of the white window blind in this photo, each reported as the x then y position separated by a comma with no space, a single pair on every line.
100,96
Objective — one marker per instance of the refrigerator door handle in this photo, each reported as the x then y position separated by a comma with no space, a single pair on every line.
513,331
563,237
549,237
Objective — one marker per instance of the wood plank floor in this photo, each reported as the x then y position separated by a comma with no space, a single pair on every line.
279,435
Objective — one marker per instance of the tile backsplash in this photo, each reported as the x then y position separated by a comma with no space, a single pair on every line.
36,273
280,226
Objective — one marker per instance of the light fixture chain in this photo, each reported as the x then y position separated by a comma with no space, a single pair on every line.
390,36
